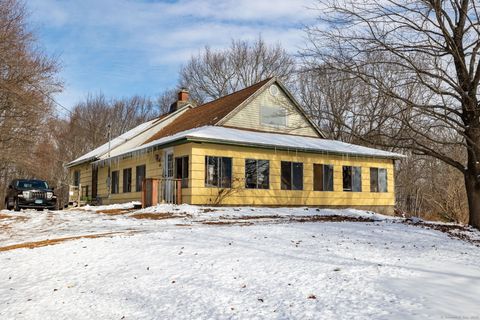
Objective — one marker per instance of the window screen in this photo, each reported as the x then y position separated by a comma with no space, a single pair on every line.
322,177
382,180
127,180
139,177
181,170
218,172
291,175
257,174
115,181
378,180
352,179
76,178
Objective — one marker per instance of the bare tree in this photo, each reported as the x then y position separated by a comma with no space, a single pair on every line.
423,55
87,127
165,99
346,109
27,77
216,73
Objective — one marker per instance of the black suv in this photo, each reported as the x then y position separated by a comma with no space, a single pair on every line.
30,194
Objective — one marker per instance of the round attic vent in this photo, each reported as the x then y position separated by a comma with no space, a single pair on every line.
273,90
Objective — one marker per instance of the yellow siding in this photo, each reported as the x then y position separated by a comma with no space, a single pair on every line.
249,116
152,167
85,176
276,196
197,193
153,170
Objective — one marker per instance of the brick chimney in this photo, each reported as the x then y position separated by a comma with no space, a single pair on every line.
183,95
182,100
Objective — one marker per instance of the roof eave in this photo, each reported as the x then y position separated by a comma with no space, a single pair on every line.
154,123
285,148
76,163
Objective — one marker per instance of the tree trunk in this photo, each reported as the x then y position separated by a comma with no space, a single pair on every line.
473,196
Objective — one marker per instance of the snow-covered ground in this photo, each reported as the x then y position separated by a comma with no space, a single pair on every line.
184,262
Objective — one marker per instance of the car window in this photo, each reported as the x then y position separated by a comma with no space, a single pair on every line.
31,184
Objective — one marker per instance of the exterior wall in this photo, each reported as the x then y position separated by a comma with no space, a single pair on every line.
249,117
198,194
274,196
154,169
85,176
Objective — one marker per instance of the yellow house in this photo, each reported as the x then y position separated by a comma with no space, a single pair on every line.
252,147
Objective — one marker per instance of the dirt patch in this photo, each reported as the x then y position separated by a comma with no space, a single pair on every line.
333,218
453,231
255,217
246,220
317,218
114,212
207,210
231,222
49,242
156,216
17,218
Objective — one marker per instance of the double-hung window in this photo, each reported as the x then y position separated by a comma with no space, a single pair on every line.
291,175
139,177
352,179
127,180
378,180
115,181
76,178
181,170
218,172
322,177
257,174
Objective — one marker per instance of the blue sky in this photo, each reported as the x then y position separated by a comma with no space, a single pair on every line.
127,47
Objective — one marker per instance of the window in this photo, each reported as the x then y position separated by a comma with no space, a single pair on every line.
218,172
84,191
139,177
378,180
76,178
292,175
28,184
257,174
273,116
181,168
322,177
115,181
352,179
127,180
169,172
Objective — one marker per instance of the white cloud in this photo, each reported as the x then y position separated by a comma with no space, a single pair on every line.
132,34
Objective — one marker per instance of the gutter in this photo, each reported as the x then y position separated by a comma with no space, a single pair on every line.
187,138
275,147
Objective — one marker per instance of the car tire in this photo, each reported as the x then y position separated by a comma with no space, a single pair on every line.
16,207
